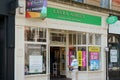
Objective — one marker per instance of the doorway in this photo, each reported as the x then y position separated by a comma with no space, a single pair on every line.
114,61
57,62
2,47
113,67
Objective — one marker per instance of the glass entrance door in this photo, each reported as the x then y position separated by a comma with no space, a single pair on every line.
114,61
57,62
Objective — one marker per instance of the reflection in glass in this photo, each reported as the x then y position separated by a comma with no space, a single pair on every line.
79,38
37,50
35,34
58,38
70,39
83,38
74,39
97,39
91,38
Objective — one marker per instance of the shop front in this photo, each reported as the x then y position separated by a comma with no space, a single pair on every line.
114,51
43,47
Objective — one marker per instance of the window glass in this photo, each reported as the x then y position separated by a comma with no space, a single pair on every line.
70,39
82,59
83,38
97,39
113,57
35,34
94,58
88,56
79,38
35,59
104,3
74,39
72,51
58,38
91,39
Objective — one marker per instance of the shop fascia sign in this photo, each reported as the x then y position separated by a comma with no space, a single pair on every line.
112,19
61,14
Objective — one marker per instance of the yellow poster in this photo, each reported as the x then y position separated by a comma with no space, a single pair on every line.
94,49
79,54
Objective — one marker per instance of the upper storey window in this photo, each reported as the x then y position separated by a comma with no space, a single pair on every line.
105,3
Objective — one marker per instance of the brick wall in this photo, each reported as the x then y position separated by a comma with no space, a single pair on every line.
93,2
116,5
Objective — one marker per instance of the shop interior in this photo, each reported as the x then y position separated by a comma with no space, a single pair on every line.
57,62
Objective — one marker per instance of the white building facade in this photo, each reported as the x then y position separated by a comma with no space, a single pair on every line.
39,44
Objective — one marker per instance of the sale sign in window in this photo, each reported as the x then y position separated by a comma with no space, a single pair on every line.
94,57
81,58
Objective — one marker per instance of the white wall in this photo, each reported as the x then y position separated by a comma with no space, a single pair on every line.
114,28
19,53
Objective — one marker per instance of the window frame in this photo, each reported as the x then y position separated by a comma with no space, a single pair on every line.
41,43
77,45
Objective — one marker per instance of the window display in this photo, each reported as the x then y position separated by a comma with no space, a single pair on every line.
87,51
82,59
35,58
94,58
35,50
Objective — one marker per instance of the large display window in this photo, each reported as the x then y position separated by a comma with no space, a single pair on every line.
87,49
35,50
35,59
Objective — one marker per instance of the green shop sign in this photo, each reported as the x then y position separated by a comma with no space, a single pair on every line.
111,19
73,16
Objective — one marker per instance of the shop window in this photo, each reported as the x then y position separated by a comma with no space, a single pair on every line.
72,39
81,38
105,3
72,51
94,58
87,50
82,58
97,39
91,39
113,39
35,34
35,59
58,38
